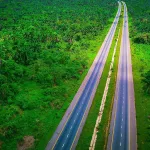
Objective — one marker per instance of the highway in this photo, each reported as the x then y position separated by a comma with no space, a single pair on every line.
122,133
68,131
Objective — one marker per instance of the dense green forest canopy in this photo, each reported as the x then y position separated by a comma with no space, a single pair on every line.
140,12
43,51
37,37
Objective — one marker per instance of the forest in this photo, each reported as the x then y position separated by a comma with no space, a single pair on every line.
46,48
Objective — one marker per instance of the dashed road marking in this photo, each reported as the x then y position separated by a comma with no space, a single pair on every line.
63,145
120,143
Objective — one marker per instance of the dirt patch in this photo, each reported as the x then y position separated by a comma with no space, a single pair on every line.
28,142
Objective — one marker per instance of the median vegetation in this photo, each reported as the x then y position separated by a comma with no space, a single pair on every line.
46,48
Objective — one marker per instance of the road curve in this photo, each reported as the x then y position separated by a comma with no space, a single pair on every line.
68,131
122,133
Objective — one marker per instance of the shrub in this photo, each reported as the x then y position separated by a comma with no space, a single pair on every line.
146,81
142,38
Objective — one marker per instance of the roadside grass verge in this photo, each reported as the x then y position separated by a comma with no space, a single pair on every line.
141,64
140,50
86,135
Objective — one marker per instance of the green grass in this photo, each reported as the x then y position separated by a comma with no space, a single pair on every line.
141,64
86,135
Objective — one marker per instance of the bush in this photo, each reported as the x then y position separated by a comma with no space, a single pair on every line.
146,81
142,38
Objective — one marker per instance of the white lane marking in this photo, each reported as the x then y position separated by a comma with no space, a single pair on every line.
122,113
121,134
71,127
120,143
74,120
63,145
67,135
122,119
121,127
77,114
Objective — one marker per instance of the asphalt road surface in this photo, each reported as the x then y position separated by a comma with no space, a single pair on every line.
122,133
67,133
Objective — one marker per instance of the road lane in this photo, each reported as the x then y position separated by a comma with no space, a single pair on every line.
120,135
69,129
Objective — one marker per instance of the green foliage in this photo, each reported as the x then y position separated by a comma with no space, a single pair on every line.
142,38
146,81
45,48
141,65
140,13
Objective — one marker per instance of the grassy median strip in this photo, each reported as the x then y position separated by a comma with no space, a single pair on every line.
86,136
